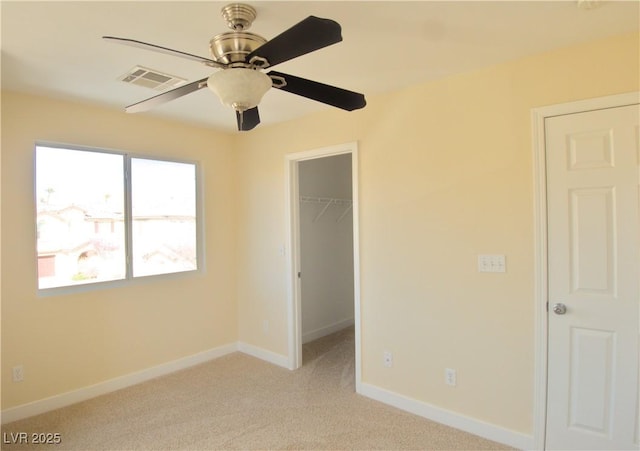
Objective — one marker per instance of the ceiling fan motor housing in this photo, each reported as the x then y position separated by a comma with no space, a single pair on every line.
233,47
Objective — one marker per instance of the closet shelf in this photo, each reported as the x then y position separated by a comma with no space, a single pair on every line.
327,202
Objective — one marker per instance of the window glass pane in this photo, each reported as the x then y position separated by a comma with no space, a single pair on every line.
80,217
163,202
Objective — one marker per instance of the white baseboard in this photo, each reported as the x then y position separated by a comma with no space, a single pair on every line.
326,330
446,417
111,385
263,354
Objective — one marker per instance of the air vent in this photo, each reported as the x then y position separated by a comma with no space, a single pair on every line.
150,78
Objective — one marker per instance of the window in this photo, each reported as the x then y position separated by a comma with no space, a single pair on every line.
95,224
163,205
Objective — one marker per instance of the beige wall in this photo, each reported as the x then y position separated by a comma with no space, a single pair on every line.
445,174
70,342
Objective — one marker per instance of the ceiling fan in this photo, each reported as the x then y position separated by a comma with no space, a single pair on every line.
242,57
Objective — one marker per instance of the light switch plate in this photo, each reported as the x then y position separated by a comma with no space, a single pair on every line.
491,263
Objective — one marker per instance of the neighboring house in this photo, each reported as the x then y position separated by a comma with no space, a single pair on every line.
76,244
164,260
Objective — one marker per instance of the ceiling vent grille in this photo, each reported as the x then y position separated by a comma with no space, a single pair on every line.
150,78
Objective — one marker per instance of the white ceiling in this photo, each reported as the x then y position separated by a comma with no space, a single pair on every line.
55,48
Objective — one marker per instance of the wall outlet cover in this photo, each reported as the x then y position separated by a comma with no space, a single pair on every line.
450,376
387,359
17,373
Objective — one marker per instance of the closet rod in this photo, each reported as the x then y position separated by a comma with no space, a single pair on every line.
323,200
328,201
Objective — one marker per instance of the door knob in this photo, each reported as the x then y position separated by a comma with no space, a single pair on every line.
559,308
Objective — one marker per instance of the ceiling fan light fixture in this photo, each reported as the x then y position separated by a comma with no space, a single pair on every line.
239,88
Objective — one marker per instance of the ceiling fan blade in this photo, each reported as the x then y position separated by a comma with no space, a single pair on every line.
165,50
311,34
331,95
248,119
165,97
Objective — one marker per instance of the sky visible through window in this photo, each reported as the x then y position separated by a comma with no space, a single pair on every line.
71,177
163,187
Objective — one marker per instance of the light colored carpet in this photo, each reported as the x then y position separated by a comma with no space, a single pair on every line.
240,402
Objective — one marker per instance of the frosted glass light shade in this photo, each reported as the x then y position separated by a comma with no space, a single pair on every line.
239,88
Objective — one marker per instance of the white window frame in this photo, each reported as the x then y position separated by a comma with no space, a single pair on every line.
129,279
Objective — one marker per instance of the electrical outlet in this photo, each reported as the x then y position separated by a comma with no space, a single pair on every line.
450,376
387,359
18,373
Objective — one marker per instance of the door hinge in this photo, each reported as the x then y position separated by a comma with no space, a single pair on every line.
299,275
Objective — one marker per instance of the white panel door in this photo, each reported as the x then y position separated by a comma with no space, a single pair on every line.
594,268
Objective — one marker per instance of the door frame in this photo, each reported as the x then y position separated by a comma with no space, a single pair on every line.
538,117
292,213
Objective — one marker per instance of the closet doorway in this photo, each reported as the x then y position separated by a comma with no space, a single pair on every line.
323,238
